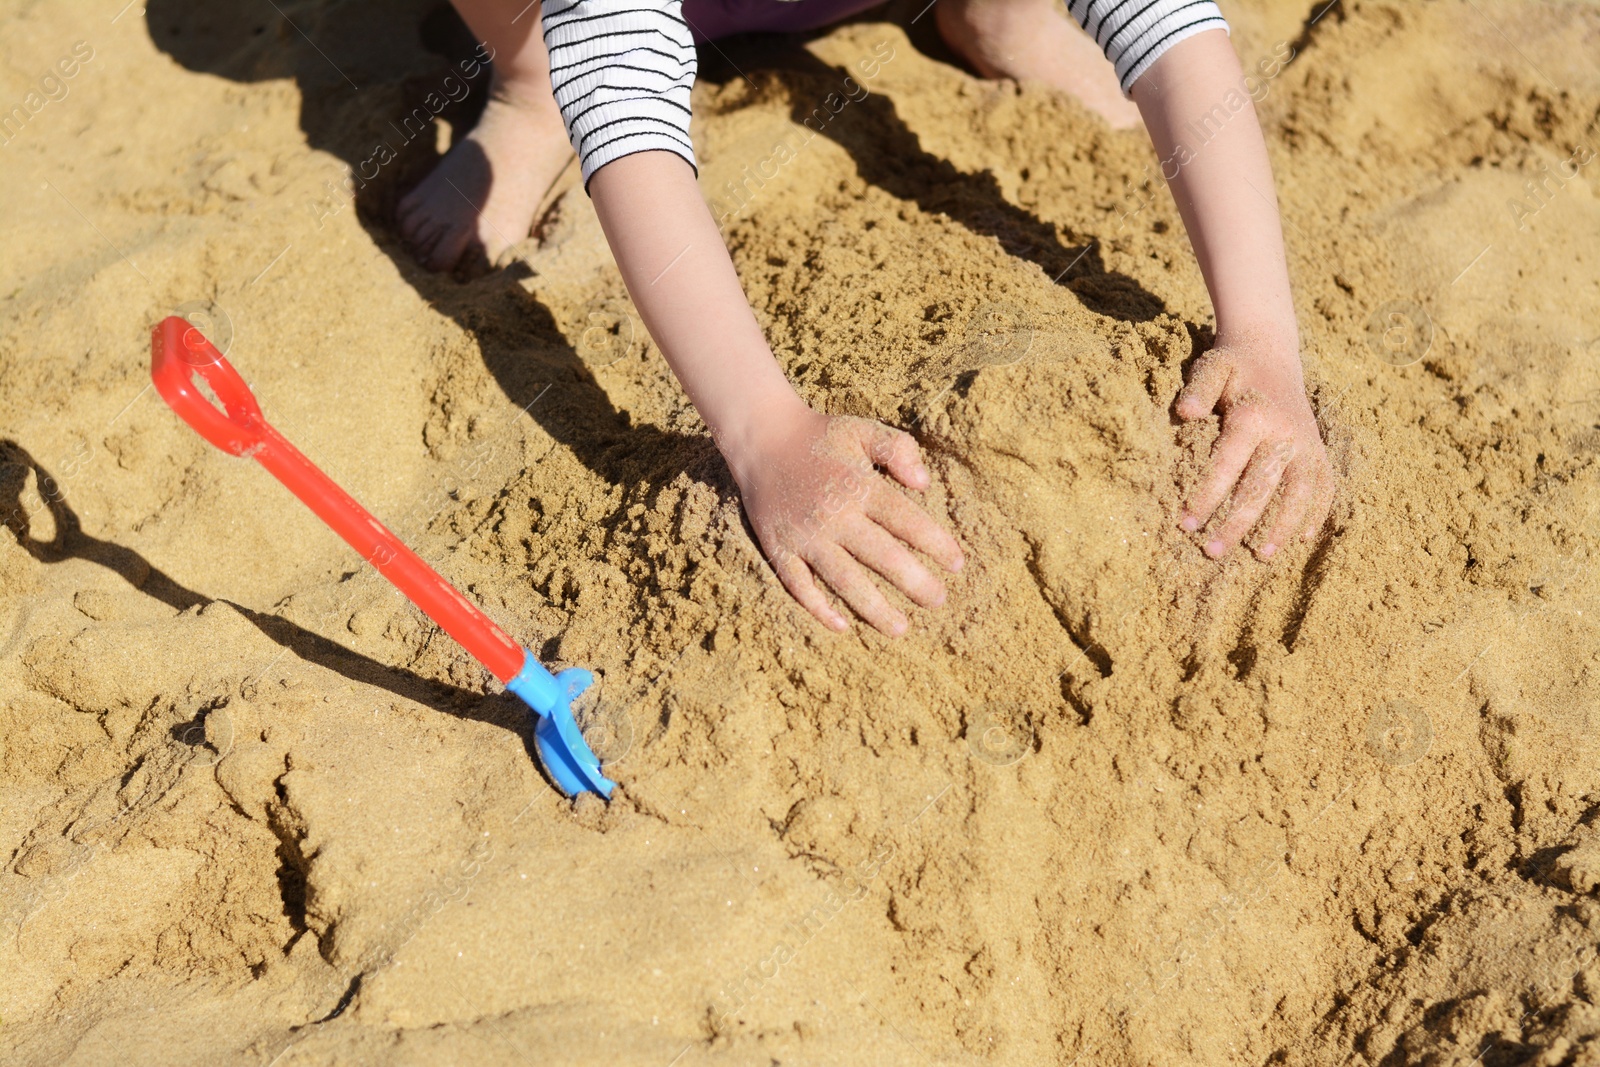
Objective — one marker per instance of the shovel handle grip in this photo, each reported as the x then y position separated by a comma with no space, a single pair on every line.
180,353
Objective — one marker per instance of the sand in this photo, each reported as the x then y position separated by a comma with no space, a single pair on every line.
1115,804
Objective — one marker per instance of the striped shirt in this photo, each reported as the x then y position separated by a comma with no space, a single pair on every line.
622,70
1135,33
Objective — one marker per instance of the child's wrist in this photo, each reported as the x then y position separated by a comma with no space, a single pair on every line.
760,425
1270,337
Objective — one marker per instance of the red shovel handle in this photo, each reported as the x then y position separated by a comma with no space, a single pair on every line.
179,353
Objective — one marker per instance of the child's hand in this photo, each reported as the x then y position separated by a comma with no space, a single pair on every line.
810,484
1269,437
1221,181
821,507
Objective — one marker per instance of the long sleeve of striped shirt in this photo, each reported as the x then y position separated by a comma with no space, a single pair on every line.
622,70
1135,33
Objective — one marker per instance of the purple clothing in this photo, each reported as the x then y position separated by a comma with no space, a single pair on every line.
710,20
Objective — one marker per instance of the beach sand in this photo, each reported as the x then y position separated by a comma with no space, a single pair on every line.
1116,803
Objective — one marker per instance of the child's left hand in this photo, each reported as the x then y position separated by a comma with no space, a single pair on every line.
1269,438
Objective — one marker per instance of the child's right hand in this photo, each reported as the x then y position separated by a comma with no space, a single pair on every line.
815,491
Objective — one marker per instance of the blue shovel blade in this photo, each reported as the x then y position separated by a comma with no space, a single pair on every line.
567,757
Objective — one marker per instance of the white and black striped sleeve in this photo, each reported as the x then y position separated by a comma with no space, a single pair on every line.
1135,33
622,71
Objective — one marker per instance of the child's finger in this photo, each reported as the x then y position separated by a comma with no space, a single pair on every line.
896,452
1228,458
873,545
1209,378
852,582
890,509
796,577
1250,499
1299,492
1324,503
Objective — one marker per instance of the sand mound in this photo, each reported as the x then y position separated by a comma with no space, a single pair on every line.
1115,804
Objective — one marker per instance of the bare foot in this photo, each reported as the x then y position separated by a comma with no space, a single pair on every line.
480,199
1031,41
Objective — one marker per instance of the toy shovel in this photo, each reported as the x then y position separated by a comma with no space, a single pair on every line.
179,352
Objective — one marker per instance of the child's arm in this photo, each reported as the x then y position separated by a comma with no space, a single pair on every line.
808,482
1224,191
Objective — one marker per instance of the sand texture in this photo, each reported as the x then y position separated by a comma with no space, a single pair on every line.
1115,804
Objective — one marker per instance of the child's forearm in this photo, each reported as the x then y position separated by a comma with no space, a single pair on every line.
808,482
680,277
1203,124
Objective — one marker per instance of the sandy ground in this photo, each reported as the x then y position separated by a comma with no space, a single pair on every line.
1116,804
